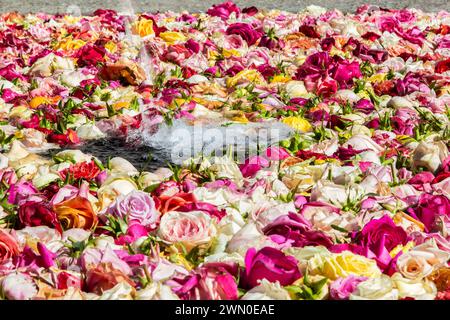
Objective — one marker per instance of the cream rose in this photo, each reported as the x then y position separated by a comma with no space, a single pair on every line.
191,229
380,288
430,155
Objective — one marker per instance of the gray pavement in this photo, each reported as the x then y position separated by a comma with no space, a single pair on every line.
88,6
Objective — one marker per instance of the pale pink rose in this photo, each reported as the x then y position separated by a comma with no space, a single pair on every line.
18,286
188,228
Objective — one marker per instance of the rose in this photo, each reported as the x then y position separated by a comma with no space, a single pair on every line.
267,291
8,246
429,209
379,288
112,188
134,232
271,264
344,72
277,153
430,155
76,213
168,203
18,286
223,10
33,214
135,206
92,257
206,207
294,230
343,287
104,277
19,192
381,233
90,55
246,31
342,265
191,229
211,281
252,165
417,289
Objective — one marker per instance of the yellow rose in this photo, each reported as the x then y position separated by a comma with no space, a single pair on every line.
170,37
280,78
68,44
111,46
343,265
143,27
297,123
249,75
378,77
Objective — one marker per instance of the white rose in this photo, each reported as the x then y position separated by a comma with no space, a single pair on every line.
121,291
46,66
89,131
381,288
361,142
121,165
418,289
297,89
267,291
156,291
430,154
18,286
249,236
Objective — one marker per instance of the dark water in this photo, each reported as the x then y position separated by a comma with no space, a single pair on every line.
141,156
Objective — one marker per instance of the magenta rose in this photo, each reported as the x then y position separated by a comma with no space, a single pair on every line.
293,229
382,233
223,10
252,165
271,264
211,281
246,32
345,71
342,288
136,206
429,209
277,153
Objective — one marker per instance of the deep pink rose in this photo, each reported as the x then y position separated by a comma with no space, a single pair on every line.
293,229
134,232
344,73
19,192
207,208
271,264
252,165
382,232
277,153
246,32
429,209
211,281
223,10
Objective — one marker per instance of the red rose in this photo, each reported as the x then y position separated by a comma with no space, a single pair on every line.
33,214
90,55
442,66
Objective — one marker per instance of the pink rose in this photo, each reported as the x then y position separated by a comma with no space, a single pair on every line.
294,230
277,153
271,264
223,10
343,287
212,281
246,32
136,206
191,229
429,209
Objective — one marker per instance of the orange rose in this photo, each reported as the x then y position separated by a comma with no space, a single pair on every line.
8,246
104,277
76,213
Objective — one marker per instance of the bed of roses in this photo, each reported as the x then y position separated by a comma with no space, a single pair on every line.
354,205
